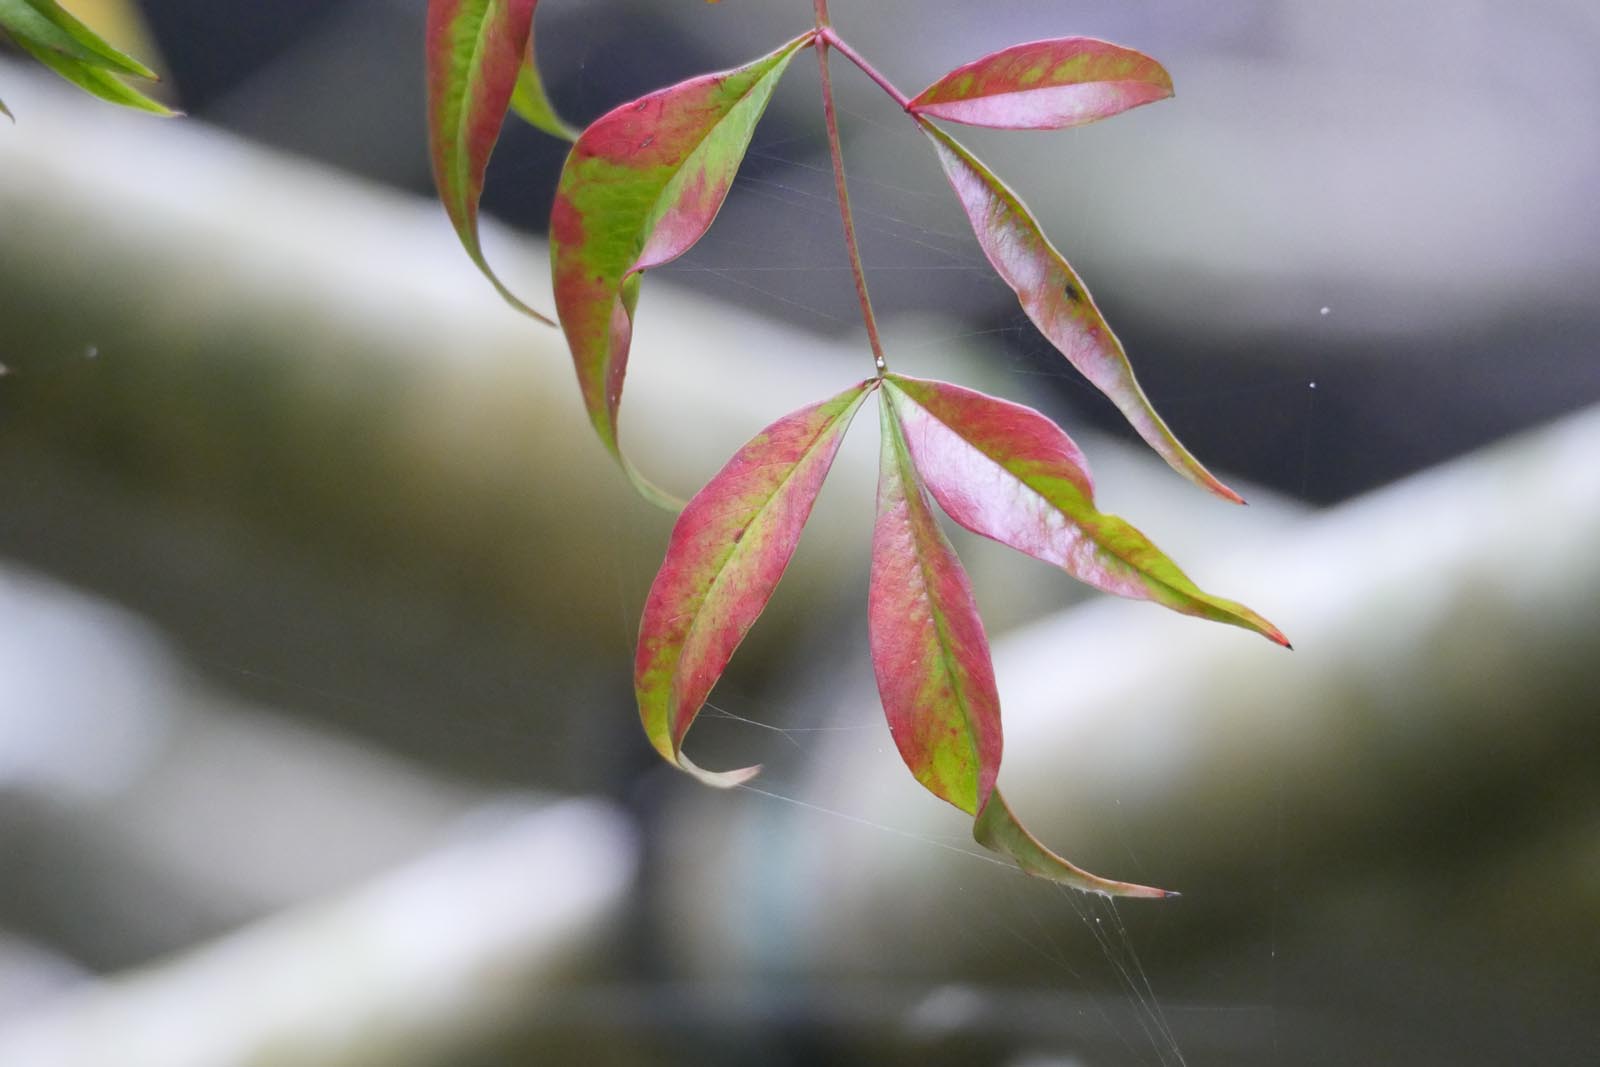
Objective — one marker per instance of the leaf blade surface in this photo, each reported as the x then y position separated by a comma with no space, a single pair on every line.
728,551
929,651
640,187
1046,85
1054,298
1006,472
46,24
475,53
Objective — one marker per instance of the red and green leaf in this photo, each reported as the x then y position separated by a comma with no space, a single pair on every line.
49,33
728,551
1054,298
935,675
929,651
477,50
640,187
1005,471
1046,85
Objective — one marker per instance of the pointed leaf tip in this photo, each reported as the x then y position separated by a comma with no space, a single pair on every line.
929,651
477,53
642,185
998,830
531,101
1054,298
728,551
1046,85
1008,473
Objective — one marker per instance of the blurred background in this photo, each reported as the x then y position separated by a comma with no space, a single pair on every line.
317,596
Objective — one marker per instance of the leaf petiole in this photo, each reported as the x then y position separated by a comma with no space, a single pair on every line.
830,118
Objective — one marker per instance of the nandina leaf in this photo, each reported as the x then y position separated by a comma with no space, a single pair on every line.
1044,85
929,651
997,829
1009,473
46,24
476,50
1055,299
728,551
532,103
640,187
935,676
46,31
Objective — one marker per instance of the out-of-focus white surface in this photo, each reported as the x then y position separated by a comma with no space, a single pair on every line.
395,972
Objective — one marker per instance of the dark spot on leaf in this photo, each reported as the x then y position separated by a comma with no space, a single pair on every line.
738,535
1072,292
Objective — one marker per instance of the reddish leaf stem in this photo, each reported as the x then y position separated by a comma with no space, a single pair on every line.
826,33
831,120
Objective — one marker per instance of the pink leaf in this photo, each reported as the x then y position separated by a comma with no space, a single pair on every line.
728,551
1045,85
1055,299
928,646
1009,473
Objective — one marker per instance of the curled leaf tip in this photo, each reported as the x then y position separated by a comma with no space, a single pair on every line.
718,779
998,830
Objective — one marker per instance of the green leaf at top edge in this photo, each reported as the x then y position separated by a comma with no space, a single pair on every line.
47,25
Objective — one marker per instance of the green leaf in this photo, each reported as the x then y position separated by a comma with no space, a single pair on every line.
1008,473
46,31
95,80
728,551
640,187
530,101
1046,85
46,24
1054,298
475,51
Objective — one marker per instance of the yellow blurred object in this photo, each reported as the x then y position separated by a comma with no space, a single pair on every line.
121,24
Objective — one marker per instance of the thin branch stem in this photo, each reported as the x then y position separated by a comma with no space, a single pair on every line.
825,32
830,118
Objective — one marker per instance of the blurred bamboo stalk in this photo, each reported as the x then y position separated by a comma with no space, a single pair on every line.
420,967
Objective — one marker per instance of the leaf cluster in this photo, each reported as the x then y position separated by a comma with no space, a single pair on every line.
640,186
